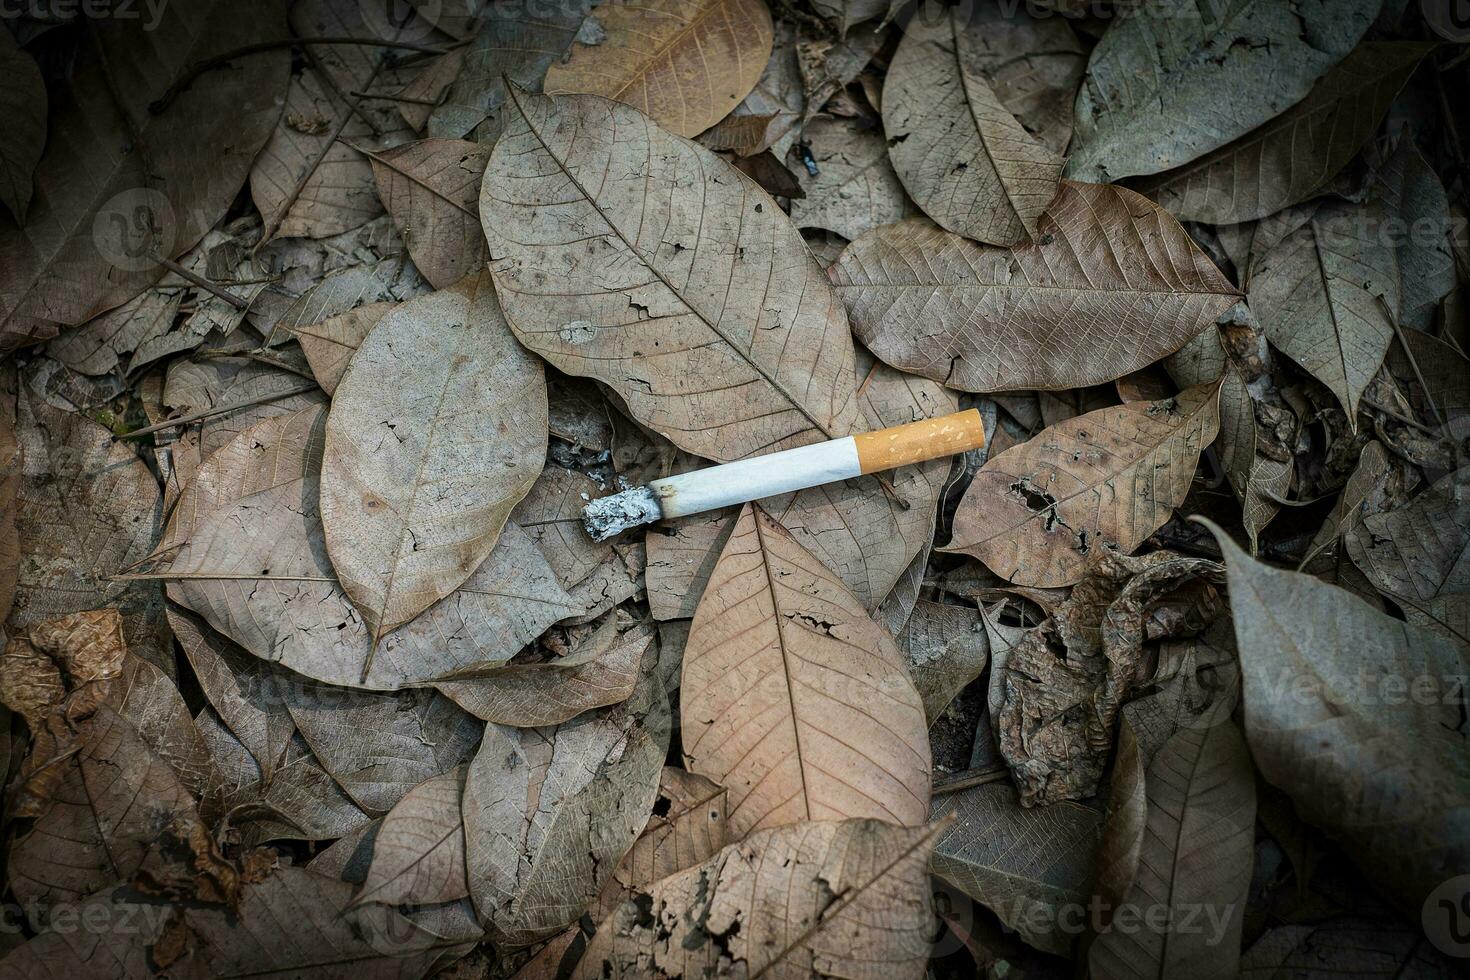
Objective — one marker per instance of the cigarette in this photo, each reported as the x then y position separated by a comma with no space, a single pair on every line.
783,472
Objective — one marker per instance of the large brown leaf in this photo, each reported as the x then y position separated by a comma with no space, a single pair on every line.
848,898
1040,513
793,698
120,183
1165,86
1195,860
1112,285
716,327
1286,160
437,431
960,153
1326,295
1419,556
431,189
1355,715
684,63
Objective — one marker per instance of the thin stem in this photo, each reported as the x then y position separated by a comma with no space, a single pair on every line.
967,779
202,283
218,410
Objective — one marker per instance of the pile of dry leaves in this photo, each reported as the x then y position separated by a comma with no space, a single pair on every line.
323,320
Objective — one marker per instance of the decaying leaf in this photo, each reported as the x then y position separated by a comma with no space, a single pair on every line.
959,152
850,897
792,697
683,63
854,189
155,181
1112,284
437,431
946,649
1326,295
548,812
716,328
1164,88
1419,555
1330,720
1286,160
1368,480
687,828
1040,513
330,344
23,103
430,189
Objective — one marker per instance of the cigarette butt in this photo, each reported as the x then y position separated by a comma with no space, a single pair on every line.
915,442
782,472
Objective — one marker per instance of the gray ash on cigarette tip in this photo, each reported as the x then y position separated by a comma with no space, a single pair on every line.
607,516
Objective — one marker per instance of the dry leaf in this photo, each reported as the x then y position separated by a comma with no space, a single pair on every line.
1410,191
438,405
716,327
960,153
1163,89
552,515
1326,295
1040,513
1344,947
1196,859
1286,160
1368,481
602,670
155,181
431,189
1026,864
1330,720
946,649
1113,285
847,898
683,63
1419,555
548,812
419,851
23,104
854,189
330,344
687,828
1033,64
793,698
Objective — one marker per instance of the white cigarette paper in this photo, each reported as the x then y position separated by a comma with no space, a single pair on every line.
792,469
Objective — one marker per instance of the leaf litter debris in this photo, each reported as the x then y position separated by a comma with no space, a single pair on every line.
324,321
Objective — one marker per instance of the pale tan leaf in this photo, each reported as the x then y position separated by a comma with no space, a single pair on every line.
1286,160
854,189
716,326
436,432
602,670
1195,859
688,827
1384,771
1419,555
1040,513
683,63
549,812
1114,284
155,181
793,698
1326,296
23,104
1026,864
959,152
258,572
431,190
418,853
330,344
1164,88
848,898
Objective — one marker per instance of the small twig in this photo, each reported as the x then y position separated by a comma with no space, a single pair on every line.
394,98
967,779
202,282
1400,417
1414,363
200,67
218,410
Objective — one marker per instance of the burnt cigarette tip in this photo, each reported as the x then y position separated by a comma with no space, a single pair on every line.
607,516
